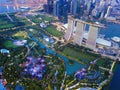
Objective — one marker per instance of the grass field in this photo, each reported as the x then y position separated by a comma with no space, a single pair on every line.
52,30
46,18
41,18
21,34
81,54
9,44
6,23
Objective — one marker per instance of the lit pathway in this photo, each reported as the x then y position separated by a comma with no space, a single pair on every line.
68,88
28,49
9,17
61,88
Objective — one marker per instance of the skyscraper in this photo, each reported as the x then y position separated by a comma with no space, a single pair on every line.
77,35
73,8
49,6
55,7
62,10
108,11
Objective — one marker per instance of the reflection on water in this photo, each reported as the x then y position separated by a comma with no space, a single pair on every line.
4,9
111,30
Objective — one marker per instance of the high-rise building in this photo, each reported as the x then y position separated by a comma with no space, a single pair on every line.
85,9
70,29
50,6
108,11
65,13
62,10
77,35
73,8
80,8
55,7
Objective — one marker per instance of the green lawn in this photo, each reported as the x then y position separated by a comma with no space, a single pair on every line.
52,30
41,18
6,23
81,54
70,52
46,18
9,44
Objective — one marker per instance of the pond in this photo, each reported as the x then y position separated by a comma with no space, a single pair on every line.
70,69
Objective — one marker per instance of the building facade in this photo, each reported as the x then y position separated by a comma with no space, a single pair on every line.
76,30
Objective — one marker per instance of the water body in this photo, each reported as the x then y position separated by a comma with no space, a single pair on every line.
70,69
5,9
115,82
111,30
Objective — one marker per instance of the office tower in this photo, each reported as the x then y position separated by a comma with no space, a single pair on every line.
45,6
69,5
65,13
62,9
108,11
73,9
55,7
89,6
102,3
102,14
50,6
80,8
94,12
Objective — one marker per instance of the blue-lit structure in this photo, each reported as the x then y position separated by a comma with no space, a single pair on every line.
80,75
2,87
18,87
4,51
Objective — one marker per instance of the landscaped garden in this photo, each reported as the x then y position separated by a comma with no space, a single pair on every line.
41,18
27,42
13,70
84,55
53,31
5,23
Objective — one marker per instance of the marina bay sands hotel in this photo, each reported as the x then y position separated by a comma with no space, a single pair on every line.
76,30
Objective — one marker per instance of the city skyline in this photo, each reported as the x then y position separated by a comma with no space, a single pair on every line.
59,44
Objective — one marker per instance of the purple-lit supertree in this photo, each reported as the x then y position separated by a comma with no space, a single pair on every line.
80,75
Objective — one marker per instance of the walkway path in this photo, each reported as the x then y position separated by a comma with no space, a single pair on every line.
68,88
61,88
9,17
